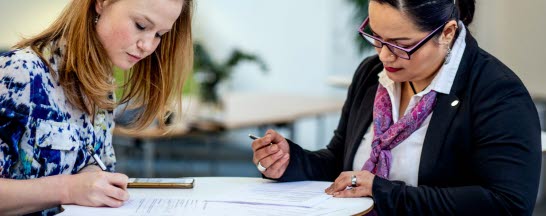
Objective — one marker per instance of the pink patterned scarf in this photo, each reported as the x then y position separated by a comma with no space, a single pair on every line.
387,135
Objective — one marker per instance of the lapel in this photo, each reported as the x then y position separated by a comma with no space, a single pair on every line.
361,123
440,122
444,113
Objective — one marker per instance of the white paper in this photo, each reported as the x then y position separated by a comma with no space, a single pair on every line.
144,206
287,199
301,194
219,208
172,207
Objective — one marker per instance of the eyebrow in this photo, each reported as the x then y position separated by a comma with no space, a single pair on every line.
393,39
151,22
148,19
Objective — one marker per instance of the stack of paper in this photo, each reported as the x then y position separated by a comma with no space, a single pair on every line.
293,198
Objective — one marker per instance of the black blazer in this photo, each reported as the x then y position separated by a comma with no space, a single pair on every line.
480,157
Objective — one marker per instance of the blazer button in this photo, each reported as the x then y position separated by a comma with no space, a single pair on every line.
454,103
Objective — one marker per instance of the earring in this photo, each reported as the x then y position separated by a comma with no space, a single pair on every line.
448,56
96,20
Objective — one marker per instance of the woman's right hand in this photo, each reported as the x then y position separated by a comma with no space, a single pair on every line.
97,189
274,157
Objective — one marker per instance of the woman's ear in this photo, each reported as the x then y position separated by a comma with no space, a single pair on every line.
99,6
448,34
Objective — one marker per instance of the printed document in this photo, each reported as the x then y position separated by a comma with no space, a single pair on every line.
301,194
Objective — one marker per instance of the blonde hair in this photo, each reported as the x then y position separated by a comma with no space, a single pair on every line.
154,83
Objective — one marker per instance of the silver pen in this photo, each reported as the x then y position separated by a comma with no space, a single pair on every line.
96,157
255,137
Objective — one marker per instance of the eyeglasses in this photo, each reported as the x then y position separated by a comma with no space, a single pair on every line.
401,52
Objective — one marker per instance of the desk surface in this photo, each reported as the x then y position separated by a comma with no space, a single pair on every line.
208,187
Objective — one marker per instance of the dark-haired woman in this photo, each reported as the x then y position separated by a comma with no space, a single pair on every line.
432,125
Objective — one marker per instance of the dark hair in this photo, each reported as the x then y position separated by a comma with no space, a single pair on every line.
429,14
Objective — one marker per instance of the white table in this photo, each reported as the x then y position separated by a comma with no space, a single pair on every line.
209,187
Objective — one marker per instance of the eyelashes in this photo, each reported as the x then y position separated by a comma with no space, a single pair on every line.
142,28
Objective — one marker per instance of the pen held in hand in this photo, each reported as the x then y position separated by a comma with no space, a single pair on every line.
255,137
96,158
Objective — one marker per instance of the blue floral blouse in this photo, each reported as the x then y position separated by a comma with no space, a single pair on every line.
41,133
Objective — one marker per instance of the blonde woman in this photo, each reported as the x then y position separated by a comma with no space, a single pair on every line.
56,98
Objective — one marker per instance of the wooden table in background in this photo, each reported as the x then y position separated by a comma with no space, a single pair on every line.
241,110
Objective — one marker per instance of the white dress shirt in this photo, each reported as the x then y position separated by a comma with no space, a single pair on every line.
406,156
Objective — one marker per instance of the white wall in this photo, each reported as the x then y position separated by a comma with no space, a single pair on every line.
302,41
515,32
24,18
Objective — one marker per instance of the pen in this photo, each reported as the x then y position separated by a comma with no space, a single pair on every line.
255,137
96,157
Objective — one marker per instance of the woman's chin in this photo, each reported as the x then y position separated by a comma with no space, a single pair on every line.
124,65
396,77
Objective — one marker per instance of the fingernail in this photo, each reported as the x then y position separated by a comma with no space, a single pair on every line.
336,193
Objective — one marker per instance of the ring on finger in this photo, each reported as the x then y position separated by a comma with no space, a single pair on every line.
260,167
353,181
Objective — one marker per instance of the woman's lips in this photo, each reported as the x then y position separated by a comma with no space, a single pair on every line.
134,58
392,70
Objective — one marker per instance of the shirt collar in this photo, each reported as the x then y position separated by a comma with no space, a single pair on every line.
54,53
443,81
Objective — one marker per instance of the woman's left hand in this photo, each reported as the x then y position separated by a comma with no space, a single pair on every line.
364,183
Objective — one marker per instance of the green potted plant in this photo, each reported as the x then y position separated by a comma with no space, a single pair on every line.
360,13
209,73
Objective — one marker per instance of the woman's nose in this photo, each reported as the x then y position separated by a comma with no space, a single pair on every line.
385,54
146,44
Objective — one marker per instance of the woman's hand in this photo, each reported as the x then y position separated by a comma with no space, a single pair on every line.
271,152
96,188
90,168
364,183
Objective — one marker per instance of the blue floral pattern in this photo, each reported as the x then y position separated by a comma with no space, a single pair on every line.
41,133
